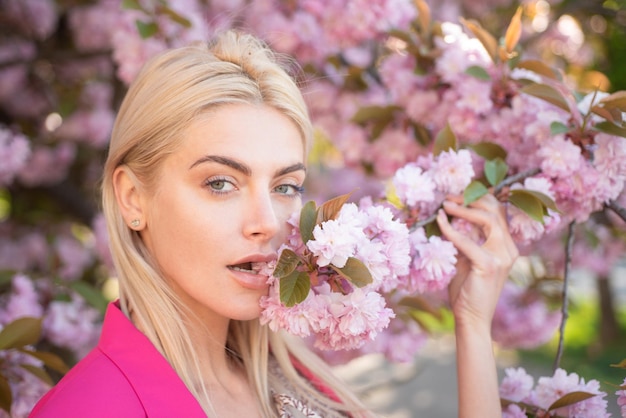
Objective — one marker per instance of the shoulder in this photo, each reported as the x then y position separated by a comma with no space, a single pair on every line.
95,387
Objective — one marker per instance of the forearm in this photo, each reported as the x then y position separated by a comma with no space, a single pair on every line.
477,376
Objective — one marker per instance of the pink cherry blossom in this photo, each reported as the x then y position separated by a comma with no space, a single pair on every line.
522,319
434,264
71,325
549,389
621,399
23,301
14,152
452,171
414,185
517,385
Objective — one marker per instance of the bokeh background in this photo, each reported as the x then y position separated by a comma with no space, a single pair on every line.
66,64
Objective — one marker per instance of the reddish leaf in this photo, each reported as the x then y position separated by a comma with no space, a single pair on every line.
547,93
570,399
514,31
489,42
330,209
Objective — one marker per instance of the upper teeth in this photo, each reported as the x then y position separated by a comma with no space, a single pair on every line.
242,269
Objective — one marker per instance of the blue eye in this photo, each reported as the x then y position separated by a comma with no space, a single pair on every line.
289,189
219,185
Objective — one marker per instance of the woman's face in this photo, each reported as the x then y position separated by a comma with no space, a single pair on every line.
222,202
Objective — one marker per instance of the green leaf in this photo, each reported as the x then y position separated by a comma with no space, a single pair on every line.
421,134
6,397
569,399
131,5
445,140
473,192
489,150
545,199
558,128
330,209
478,72
308,219
286,264
547,93
50,360
495,171
421,304
610,128
374,113
355,272
528,203
38,372
21,332
92,295
146,29
294,288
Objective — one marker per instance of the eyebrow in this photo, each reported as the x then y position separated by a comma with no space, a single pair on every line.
242,168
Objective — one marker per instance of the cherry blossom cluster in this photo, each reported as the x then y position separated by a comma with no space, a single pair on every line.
382,81
562,394
346,263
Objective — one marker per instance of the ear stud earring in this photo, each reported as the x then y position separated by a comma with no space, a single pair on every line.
135,223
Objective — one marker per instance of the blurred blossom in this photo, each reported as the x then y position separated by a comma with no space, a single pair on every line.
517,385
26,388
35,17
73,255
71,325
23,251
23,301
91,25
14,152
47,165
522,319
621,399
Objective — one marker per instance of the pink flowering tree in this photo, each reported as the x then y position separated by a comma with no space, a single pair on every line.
411,102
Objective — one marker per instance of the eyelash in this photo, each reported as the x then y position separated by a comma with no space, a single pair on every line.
298,190
211,181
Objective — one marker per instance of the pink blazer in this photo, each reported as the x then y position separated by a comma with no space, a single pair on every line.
123,377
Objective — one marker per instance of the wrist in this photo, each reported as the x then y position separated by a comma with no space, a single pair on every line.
472,328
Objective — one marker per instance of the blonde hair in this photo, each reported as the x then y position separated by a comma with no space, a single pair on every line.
170,91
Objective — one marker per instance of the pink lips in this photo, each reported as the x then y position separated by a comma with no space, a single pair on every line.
248,271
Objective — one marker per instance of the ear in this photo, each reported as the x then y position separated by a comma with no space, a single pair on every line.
129,197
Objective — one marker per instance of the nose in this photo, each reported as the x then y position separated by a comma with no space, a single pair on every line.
261,222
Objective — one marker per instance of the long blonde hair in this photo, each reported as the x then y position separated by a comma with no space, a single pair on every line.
170,91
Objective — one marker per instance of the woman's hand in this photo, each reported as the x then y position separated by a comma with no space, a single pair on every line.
474,292
482,268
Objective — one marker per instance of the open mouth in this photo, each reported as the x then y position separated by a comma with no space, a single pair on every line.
252,268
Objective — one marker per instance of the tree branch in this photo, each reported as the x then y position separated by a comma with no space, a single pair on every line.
620,211
515,178
564,306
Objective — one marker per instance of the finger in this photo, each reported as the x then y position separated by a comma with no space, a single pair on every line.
466,246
